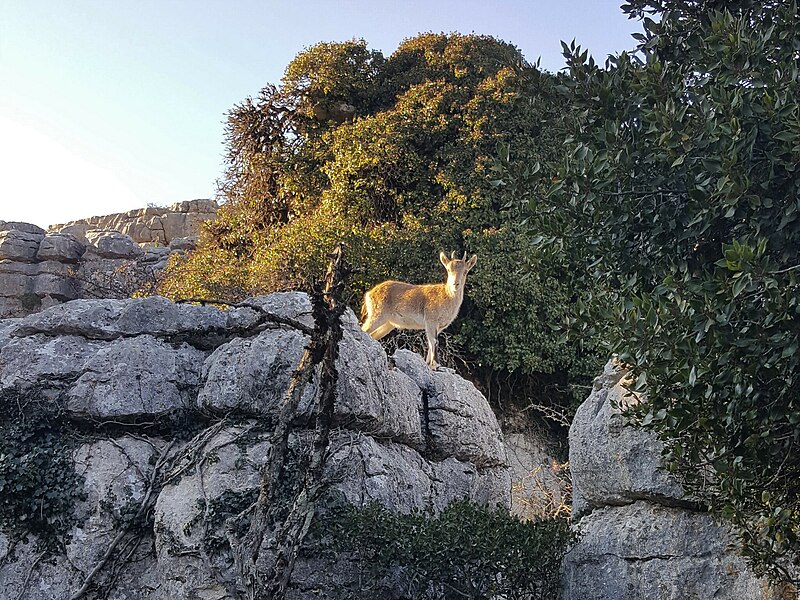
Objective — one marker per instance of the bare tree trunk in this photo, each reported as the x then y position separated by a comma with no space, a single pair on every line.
287,502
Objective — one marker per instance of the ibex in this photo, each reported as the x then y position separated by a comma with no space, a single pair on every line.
396,305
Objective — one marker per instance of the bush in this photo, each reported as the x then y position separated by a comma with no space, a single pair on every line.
39,487
399,171
679,191
466,551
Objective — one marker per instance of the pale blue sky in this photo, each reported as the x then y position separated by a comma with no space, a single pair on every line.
110,105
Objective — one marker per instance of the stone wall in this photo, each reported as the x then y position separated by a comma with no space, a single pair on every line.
407,438
642,538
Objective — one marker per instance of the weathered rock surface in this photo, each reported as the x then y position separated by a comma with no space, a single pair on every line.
61,247
151,225
102,257
20,246
646,550
20,226
131,362
616,464
251,374
642,539
465,428
112,244
135,376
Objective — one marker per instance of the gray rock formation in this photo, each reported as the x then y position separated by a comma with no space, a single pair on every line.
102,257
151,225
112,244
405,437
642,539
19,246
60,247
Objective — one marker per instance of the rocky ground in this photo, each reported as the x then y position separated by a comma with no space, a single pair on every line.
100,257
641,537
121,371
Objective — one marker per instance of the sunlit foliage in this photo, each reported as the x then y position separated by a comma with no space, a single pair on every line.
395,156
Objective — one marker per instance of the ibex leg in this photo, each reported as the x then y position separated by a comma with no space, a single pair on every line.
430,335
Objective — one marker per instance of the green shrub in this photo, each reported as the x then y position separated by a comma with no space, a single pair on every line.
39,487
466,551
679,191
402,169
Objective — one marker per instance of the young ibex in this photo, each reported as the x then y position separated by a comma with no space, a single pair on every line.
432,307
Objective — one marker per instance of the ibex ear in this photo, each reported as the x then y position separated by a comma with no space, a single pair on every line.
472,261
444,260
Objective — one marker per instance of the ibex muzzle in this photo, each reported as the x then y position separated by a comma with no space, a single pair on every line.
396,305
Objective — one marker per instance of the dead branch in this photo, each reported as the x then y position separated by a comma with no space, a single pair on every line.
270,511
151,487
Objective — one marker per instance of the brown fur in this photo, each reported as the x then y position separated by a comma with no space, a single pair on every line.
433,306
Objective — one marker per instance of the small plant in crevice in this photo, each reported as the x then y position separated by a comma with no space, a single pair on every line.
465,551
214,514
39,487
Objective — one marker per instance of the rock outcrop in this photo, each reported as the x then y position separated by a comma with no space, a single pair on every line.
126,372
154,225
642,539
101,257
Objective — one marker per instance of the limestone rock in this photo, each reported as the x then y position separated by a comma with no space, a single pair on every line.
151,225
16,278
400,479
192,512
204,326
115,474
19,226
56,286
292,305
155,254
54,578
378,400
29,287
180,322
62,247
460,422
372,398
137,376
7,329
99,257
115,367
645,551
78,231
183,243
113,244
252,374
93,319
363,470
613,463
19,245
44,363
642,539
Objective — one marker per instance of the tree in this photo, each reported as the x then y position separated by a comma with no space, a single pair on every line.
394,157
680,192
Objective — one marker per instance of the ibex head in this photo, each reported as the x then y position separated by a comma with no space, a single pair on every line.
457,269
